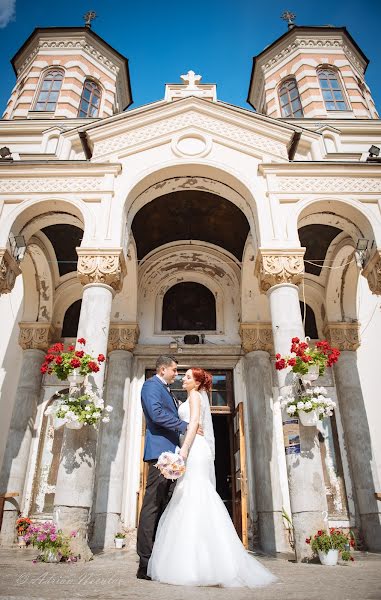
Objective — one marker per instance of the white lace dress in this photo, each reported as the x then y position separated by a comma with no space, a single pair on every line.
196,542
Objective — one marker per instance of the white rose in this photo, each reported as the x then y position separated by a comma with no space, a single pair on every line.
309,392
105,419
87,407
109,408
96,415
308,405
98,402
321,410
291,409
300,406
64,407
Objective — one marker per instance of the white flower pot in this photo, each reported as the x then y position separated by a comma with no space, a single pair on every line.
311,375
75,377
21,542
329,559
119,542
51,556
57,422
308,419
74,425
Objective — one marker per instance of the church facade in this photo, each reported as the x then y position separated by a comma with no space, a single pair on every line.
211,232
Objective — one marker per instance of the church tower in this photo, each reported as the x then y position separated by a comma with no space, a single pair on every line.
66,73
312,72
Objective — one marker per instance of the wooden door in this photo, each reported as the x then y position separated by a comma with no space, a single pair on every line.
239,475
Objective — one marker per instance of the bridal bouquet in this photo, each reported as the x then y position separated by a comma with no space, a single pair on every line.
171,465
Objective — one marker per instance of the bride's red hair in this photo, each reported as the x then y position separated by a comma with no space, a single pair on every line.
203,378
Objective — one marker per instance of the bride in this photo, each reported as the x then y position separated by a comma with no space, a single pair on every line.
196,543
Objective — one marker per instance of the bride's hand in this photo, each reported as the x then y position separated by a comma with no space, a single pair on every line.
200,430
184,452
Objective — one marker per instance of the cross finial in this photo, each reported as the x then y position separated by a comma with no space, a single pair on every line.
89,16
289,17
191,78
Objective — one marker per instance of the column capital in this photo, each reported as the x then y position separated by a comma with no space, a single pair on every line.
274,267
9,270
123,336
372,272
35,335
256,336
342,335
101,265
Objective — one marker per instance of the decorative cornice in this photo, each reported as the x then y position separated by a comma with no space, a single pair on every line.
9,270
107,266
279,266
51,184
372,271
325,183
256,336
35,336
342,335
123,336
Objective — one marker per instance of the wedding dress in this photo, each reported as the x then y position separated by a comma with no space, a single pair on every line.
196,542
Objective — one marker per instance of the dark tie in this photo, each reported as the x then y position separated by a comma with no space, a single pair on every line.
173,396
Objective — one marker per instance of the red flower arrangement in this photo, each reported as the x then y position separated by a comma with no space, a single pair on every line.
336,539
302,356
22,525
62,363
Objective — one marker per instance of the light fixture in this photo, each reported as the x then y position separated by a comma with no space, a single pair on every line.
5,153
374,151
18,246
173,345
361,251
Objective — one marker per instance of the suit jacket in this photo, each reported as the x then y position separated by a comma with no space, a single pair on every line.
162,420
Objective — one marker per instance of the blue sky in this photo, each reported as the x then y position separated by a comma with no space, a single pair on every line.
215,38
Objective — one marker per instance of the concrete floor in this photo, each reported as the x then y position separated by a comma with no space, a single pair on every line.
112,575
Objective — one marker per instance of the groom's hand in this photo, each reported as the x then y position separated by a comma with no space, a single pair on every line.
200,430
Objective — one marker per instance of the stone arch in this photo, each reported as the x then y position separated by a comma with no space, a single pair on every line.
197,262
31,215
68,292
38,281
206,177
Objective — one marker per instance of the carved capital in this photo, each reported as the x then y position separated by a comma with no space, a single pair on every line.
279,266
372,271
35,336
9,270
105,266
123,336
344,336
256,336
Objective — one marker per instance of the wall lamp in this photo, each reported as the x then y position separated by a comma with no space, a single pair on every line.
18,246
361,251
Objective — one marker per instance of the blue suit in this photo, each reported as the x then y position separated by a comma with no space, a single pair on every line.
162,420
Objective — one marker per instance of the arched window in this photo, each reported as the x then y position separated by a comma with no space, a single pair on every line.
331,90
310,327
49,91
71,320
90,100
290,100
189,306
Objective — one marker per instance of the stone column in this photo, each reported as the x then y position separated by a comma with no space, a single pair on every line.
257,342
345,336
110,467
279,272
9,270
34,340
101,272
372,272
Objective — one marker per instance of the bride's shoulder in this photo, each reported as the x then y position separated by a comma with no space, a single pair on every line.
195,395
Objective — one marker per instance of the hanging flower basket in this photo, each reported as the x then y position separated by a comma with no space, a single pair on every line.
63,363
310,406
303,357
308,419
75,377
74,410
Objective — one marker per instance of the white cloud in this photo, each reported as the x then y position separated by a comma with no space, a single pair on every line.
7,12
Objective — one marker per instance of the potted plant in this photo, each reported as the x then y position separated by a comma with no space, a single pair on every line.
70,364
309,406
54,546
75,410
328,545
22,526
309,363
119,539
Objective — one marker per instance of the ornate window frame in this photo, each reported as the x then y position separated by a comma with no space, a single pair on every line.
284,82
336,72
96,85
44,74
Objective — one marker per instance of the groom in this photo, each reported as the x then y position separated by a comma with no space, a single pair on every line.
162,434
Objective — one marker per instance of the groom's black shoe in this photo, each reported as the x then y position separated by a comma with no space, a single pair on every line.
142,574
